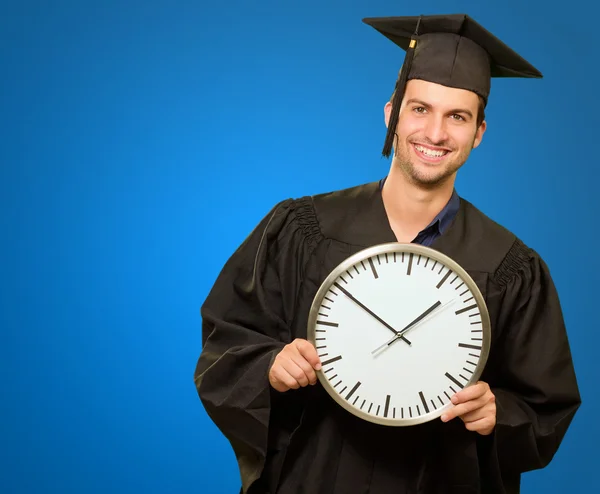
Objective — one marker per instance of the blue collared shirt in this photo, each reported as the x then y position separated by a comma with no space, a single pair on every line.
440,223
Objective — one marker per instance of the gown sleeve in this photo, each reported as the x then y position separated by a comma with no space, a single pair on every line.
534,382
246,321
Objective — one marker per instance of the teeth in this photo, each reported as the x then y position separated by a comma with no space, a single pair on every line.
429,152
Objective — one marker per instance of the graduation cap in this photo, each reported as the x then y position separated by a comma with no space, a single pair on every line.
452,50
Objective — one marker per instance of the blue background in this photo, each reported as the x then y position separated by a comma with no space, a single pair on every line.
143,140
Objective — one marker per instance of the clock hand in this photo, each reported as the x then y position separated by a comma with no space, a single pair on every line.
421,319
397,334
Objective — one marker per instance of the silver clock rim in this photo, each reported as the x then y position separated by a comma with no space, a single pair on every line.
408,248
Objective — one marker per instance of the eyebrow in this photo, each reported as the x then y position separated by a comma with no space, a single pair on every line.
428,106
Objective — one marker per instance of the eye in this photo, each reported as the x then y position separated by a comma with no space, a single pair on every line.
419,109
457,117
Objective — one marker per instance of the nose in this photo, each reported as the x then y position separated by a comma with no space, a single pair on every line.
435,130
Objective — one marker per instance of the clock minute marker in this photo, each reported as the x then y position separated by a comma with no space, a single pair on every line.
331,360
454,380
375,274
353,390
473,347
424,401
443,280
326,323
465,309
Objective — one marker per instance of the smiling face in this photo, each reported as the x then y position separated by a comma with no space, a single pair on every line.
437,129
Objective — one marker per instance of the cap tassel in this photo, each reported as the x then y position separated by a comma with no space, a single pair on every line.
399,93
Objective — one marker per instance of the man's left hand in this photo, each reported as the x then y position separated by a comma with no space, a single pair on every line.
476,406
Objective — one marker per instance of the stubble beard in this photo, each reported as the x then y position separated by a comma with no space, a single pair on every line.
402,160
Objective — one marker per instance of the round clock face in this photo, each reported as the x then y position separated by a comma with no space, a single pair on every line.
399,329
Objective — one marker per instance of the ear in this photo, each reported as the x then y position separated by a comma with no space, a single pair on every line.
479,134
387,111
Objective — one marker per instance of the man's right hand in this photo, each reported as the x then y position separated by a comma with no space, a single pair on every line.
295,366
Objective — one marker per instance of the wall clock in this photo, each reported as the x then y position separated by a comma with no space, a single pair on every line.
399,329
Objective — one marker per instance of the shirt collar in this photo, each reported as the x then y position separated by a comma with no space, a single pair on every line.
445,216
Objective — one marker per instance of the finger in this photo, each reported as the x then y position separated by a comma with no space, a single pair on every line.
282,374
470,393
309,352
462,409
475,415
295,370
281,380
483,426
484,405
303,364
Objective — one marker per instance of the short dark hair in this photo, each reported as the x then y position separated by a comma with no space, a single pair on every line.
480,112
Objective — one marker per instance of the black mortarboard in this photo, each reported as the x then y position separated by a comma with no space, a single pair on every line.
452,50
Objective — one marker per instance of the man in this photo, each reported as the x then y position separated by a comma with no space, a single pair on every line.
256,373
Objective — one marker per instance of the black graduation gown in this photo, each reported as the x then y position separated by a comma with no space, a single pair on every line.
300,441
